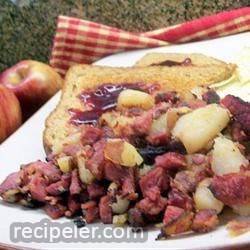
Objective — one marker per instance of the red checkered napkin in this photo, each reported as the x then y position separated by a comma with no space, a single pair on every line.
81,41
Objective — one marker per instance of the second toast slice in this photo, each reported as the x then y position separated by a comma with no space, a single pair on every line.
195,59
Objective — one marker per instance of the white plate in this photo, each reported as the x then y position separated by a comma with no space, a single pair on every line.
25,145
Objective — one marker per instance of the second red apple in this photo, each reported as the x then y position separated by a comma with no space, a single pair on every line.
10,113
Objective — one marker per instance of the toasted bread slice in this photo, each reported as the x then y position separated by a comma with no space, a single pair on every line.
196,59
82,77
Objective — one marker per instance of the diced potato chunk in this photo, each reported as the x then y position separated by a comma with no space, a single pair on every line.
116,121
197,128
134,98
73,138
120,206
166,122
173,114
144,169
226,157
130,157
171,117
204,199
10,195
65,163
122,121
243,210
84,174
159,125
121,152
112,187
108,118
120,220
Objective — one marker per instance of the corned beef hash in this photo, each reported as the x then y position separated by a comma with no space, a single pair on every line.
141,155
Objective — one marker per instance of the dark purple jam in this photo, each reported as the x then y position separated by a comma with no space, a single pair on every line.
79,117
149,152
170,63
211,97
102,99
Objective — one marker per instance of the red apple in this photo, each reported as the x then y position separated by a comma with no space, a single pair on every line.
32,82
10,113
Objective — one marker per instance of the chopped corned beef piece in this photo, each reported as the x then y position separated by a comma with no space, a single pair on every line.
90,211
73,205
156,177
37,187
152,207
239,109
96,163
105,210
143,123
136,218
11,182
205,221
90,135
176,220
122,176
160,138
95,190
61,186
169,96
75,185
171,161
232,189
187,180
54,211
238,134
179,199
